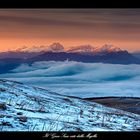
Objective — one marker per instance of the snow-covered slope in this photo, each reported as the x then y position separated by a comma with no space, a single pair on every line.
94,50
82,49
57,47
24,108
107,48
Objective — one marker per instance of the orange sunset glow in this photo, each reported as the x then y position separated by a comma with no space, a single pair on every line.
70,27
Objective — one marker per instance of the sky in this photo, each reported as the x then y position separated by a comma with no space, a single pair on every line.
70,27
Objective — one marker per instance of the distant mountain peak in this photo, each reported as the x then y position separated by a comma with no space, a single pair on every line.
31,49
95,50
56,47
107,48
82,48
21,49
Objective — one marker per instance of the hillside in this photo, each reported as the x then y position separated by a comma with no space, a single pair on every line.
130,104
26,108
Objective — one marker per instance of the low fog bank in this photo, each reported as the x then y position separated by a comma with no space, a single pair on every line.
80,79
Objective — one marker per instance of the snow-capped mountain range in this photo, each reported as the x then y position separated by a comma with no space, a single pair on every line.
94,50
27,108
57,47
57,52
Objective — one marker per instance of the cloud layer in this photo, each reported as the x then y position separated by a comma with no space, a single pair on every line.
80,79
118,26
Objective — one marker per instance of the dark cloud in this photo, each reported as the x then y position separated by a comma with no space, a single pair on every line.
110,24
74,17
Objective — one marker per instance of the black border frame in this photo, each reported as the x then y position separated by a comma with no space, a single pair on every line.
18,4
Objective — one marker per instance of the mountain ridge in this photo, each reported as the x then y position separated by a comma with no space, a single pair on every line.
122,57
84,53
58,47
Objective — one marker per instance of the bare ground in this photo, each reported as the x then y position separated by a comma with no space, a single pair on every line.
124,103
